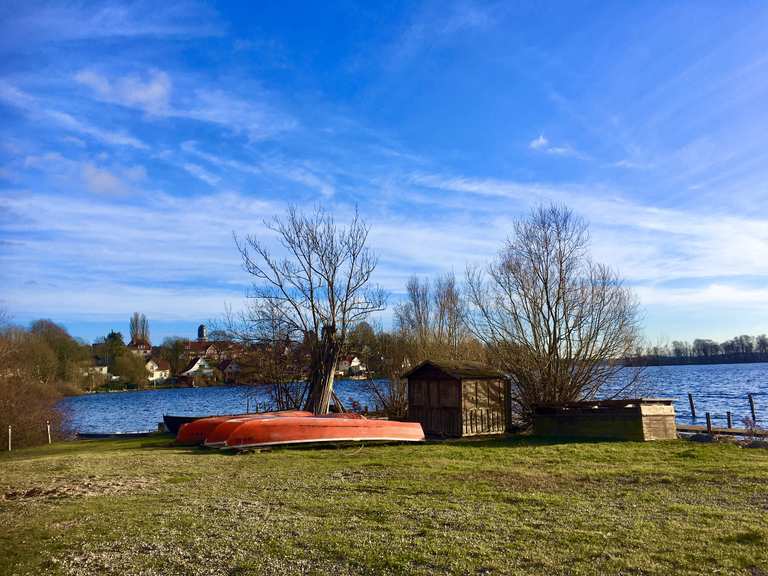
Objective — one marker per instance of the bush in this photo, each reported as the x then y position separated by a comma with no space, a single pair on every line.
28,389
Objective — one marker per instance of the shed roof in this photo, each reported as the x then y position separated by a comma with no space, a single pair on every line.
458,370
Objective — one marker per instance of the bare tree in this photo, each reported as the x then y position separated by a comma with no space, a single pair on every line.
558,323
317,291
139,328
432,320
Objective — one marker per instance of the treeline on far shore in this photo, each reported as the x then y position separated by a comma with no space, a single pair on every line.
742,349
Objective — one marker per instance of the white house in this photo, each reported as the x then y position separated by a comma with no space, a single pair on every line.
350,365
159,370
197,367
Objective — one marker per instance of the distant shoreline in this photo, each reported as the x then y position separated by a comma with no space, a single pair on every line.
756,358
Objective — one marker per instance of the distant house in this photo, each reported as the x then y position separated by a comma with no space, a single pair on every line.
350,366
96,375
197,367
196,371
159,370
230,370
201,349
98,370
140,347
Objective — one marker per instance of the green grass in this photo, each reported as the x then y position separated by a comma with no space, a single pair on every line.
518,506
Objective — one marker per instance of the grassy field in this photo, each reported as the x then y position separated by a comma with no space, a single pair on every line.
518,506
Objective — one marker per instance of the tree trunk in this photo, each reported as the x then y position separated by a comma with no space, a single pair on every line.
323,372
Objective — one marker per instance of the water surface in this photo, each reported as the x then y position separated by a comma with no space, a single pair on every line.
716,388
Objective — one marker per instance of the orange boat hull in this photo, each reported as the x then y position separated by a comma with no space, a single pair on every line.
276,431
195,433
219,434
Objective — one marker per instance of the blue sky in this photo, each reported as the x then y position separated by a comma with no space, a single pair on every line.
136,137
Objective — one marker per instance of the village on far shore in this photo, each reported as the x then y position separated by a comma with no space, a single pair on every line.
205,362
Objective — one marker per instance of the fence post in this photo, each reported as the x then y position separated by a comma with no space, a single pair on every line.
693,406
709,424
9,437
48,426
752,407
730,419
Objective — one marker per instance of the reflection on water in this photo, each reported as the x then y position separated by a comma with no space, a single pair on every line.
716,389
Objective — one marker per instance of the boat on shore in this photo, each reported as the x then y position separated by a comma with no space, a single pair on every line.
316,429
195,433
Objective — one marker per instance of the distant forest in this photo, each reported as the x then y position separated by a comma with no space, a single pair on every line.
740,349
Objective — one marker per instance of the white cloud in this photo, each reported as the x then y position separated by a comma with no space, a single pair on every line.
254,117
542,144
716,294
201,173
538,143
151,95
103,181
644,242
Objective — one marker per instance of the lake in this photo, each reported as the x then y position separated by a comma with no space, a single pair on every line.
716,388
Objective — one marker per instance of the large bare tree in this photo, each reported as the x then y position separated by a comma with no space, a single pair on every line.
557,322
316,289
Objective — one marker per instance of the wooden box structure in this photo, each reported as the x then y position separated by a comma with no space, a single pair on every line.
631,419
457,398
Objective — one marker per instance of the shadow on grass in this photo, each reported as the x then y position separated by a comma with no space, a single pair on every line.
747,537
510,441
513,440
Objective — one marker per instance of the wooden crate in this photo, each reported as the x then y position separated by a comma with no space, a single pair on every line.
631,419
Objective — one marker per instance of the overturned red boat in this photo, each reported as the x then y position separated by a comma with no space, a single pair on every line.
331,428
195,433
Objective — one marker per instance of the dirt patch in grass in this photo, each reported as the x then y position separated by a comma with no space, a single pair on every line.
85,487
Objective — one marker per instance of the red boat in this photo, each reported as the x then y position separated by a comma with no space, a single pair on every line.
219,434
331,428
217,437
195,433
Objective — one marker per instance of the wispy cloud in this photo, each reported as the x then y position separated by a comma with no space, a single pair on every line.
32,22
293,172
152,94
201,173
39,111
435,24
542,144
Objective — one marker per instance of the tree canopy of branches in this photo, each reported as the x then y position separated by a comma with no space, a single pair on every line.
139,328
432,320
173,350
557,322
314,291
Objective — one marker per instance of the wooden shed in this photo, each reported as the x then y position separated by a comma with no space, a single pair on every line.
457,398
631,419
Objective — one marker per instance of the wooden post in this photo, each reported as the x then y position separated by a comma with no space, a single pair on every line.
9,437
730,419
48,426
709,424
693,406
752,407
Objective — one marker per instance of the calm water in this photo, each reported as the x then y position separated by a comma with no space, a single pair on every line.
141,411
716,389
